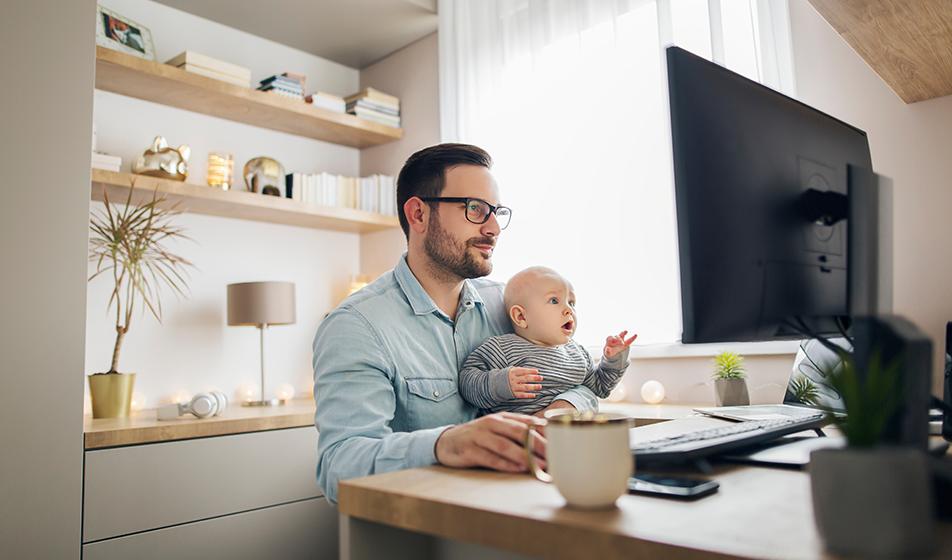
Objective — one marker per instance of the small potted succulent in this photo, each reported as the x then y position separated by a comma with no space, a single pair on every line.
127,246
730,383
871,499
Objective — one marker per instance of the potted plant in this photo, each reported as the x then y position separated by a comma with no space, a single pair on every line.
730,384
871,499
804,390
127,246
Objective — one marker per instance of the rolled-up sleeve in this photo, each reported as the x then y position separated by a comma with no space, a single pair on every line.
354,395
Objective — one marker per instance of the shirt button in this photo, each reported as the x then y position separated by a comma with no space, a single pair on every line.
436,393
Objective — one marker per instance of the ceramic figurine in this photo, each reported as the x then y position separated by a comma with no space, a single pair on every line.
264,175
159,160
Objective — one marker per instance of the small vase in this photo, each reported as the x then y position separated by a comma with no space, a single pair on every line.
873,502
111,394
731,392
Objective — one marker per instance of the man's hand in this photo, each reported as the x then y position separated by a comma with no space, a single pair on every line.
615,344
523,381
495,441
555,405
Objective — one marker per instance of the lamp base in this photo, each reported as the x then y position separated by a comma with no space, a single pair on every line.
270,402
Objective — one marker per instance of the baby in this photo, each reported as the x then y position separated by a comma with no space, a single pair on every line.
503,373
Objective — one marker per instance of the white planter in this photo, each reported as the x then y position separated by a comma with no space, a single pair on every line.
873,502
731,392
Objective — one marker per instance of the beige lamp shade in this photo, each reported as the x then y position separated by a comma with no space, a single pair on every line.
261,303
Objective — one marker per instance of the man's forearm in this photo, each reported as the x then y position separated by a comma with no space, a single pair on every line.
358,456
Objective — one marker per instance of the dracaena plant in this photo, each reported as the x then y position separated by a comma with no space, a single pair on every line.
729,365
128,244
870,399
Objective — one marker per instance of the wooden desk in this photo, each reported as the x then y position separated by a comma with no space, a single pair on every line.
437,512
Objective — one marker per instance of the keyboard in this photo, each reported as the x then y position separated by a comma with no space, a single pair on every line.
698,444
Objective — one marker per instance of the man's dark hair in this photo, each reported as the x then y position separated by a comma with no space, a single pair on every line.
424,173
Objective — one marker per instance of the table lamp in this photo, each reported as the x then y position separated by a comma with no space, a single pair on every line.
261,304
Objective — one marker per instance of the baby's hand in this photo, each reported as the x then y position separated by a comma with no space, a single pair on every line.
522,381
615,344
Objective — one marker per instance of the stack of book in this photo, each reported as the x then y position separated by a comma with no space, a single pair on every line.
287,84
106,161
376,193
327,101
207,66
376,106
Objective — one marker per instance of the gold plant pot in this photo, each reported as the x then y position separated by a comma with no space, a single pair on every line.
111,394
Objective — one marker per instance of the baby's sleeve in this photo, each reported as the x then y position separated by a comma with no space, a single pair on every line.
603,378
484,379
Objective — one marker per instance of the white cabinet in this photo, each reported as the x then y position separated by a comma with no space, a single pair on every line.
247,495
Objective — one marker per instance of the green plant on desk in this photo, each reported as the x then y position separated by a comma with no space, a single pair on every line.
127,244
804,390
729,365
871,498
730,387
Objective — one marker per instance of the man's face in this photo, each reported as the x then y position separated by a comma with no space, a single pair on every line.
460,247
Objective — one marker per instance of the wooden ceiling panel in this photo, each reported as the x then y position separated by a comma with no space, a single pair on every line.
907,42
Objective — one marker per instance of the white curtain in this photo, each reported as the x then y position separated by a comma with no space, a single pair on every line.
570,99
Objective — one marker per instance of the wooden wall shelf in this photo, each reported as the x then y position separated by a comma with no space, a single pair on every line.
239,204
160,83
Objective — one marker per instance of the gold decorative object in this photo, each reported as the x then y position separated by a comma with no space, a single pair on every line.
159,160
265,175
127,246
111,394
221,170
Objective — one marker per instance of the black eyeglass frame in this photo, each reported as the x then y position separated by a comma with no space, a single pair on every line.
466,200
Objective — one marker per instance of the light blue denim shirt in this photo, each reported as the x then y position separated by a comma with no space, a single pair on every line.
386,365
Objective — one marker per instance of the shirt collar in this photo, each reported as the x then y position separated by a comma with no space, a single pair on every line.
420,301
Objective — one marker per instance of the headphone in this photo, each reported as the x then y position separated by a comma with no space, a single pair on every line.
202,405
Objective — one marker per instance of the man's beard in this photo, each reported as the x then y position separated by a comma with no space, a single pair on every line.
453,257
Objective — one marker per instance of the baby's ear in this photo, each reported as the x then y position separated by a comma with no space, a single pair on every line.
517,314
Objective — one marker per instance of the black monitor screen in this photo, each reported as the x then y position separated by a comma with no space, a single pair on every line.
744,154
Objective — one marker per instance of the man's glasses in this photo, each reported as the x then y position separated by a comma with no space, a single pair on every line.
477,209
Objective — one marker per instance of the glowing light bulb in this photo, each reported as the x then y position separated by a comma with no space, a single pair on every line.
618,394
248,392
652,392
181,396
138,402
286,391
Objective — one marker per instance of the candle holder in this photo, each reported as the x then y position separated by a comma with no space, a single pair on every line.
221,170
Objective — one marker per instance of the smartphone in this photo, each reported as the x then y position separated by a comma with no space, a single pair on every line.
671,487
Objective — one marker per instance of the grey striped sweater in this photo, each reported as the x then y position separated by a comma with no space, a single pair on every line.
484,379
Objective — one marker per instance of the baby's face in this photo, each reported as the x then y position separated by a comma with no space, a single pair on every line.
549,304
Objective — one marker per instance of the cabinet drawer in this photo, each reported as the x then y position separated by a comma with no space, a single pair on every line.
306,529
138,488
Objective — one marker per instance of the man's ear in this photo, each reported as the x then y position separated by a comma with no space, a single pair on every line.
517,314
417,213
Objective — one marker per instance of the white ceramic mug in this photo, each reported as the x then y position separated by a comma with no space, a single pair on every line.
588,457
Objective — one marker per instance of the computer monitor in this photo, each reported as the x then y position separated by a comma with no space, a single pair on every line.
757,254
781,229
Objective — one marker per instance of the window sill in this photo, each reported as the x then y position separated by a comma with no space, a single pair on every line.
678,350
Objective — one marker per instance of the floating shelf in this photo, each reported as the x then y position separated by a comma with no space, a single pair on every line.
160,83
243,205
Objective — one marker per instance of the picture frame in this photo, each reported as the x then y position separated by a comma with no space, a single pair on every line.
120,33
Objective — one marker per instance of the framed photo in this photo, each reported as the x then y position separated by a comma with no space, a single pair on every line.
119,33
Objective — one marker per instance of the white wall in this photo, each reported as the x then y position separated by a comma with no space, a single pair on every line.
412,74
909,143
43,224
193,350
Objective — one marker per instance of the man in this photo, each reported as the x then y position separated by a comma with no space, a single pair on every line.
386,360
